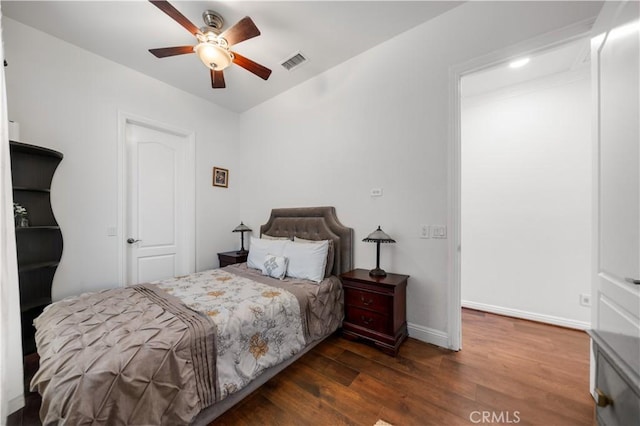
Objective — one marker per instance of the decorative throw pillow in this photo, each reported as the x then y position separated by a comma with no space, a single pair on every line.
330,253
275,266
260,248
306,261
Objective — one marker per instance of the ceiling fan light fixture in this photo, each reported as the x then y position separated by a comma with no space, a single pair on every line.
213,56
213,45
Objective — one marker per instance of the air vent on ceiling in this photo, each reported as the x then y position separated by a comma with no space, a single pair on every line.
294,61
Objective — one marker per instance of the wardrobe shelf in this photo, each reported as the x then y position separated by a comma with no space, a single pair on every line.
30,189
36,228
37,265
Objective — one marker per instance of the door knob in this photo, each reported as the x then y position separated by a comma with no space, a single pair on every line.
131,241
632,281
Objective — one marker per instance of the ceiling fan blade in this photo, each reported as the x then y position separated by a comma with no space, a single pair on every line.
251,66
241,31
217,79
173,13
163,52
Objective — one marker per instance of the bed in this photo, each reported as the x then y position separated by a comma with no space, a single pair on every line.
187,349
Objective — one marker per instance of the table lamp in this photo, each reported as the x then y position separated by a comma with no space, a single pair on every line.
242,228
378,236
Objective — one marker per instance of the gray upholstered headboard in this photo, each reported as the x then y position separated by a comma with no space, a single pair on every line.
314,223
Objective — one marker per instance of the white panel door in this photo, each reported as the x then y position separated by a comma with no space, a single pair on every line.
616,66
156,199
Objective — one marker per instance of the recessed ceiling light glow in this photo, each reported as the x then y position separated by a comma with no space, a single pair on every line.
518,63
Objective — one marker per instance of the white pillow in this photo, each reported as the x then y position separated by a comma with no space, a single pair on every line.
269,237
260,248
275,266
306,261
330,253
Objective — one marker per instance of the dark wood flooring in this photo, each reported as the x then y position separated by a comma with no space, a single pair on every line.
510,371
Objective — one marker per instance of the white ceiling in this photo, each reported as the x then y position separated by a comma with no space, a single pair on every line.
566,57
326,32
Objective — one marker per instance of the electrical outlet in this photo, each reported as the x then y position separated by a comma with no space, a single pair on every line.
425,231
585,299
376,192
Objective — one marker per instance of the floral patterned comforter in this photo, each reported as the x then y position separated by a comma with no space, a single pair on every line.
258,325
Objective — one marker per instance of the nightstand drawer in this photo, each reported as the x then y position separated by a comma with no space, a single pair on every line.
369,319
367,300
624,408
231,258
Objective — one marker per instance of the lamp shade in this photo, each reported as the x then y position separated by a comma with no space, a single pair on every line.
241,228
378,236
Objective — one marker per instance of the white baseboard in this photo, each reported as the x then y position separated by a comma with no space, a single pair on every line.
517,313
428,335
14,404
441,338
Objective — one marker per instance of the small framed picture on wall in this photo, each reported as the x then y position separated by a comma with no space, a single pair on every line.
220,177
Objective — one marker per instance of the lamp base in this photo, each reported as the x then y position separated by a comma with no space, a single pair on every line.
377,272
242,252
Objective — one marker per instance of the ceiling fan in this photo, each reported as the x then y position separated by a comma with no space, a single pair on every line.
213,45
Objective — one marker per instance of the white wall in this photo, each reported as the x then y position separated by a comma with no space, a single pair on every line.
526,199
69,100
381,120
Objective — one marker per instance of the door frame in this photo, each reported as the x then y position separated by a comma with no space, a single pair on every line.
545,41
125,119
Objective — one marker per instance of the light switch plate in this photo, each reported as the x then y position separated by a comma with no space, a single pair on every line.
438,231
425,231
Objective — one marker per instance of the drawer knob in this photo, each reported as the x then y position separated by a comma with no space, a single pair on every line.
366,321
365,302
602,400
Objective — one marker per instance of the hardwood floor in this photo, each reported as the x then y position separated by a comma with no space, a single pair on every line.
510,371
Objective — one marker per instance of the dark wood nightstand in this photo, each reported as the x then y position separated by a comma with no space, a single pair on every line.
230,257
375,309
